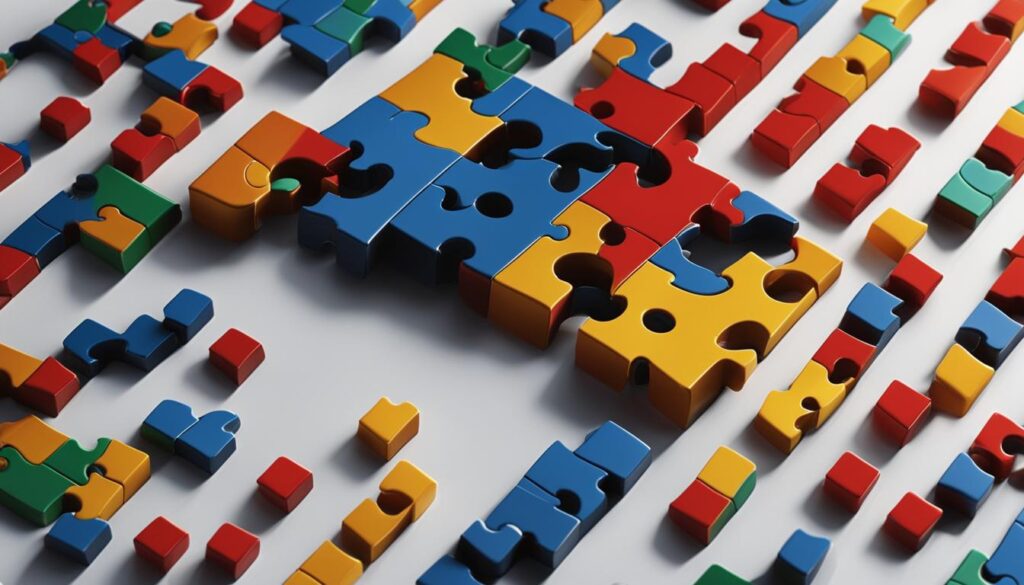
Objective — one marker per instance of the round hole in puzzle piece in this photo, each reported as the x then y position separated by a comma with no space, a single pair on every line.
494,205
602,110
471,87
612,234
659,321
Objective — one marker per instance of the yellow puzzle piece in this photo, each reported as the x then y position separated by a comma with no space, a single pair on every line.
609,52
960,378
270,139
581,15
786,414
231,197
15,368
99,498
902,12
833,73
168,117
190,34
116,238
421,8
695,345
32,438
126,466
1013,122
730,474
895,234
387,427
328,565
430,89
864,54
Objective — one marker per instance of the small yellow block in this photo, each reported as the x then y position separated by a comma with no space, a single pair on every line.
609,52
902,12
582,15
407,485
329,565
32,438
100,498
125,465
959,379
730,474
1013,122
833,74
786,415
895,234
387,427
864,54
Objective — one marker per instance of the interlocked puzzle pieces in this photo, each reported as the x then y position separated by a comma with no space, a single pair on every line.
533,519
45,385
207,442
551,26
720,490
325,34
517,196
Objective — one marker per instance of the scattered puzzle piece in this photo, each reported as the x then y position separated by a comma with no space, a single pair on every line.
801,557
78,539
237,355
912,521
285,483
233,548
387,427
64,117
161,543
850,480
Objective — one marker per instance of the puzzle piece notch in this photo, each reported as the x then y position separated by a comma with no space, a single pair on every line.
491,66
989,334
787,415
964,486
78,539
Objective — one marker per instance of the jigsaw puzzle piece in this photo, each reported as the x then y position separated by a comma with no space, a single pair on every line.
617,451
689,276
872,316
78,539
125,465
812,398
750,217
636,50
34,440
492,552
98,498
1007,293
393,168
392,19
493,66
115,239
189,34
801,557
323,50
989,334
144,345
74,462
963,486
581,15
304,11
167,422
37,239
209,442
1006,563
14,161
997,445
959,380
564,475
171,73
17,270
187,313
844,356
34,492
902,12
545,32
47,388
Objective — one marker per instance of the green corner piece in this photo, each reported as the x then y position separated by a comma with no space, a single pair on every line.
494,65
156,213
719,575
963,204
34,492
74,462
84,16
359,6
881,30
346,25
969,571
987,181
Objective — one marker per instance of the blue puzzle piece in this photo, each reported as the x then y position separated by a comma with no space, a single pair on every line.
619,452
167,422
210,442
447,571
116,39
392,19
60,40
37,239
989,334
320,51
500,100
964,486
527,21
90,346
982,179
761,220
187,313
652,51
308,11
803,14
1008,560
575,482
66,209
147,343
353,224
496,213
871,316
79,540
800,558
491,553
169,74
689,275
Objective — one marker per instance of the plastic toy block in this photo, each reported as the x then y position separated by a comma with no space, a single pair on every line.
285,483
864,55
1007,293
493,65
719,575
872,316
1003,151
989,334
962,204
237,355
1006,19
34,492
91,346
730,474
171,73
171,119
959,379
64,118
800,558
13,165
636,50
39,240
329,565
387,427
797,122
125,465
969,572
885,151
210,441
167,422
701,512
846,191
1005,563
74,462
880,29
850,481
844,356
581,15
833,74
33,439
803,15
900,412
187,313
212,89
161,543
964,486
617,451
16,368
912,521
255,25
1013,122
115,239
902,12
49,389
189,34
447,571
561,473
894,234
991,183
775,38
786,415
139,155
80,540
528,21
997,444
17,269
741,70
713,95
912,281
405,494
233,548
98,498
689,275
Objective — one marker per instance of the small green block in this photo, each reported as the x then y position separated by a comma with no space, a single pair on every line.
494,65
34,492
73,462
84,16
719,575
345,25
881,30
969,571
963,204
990,182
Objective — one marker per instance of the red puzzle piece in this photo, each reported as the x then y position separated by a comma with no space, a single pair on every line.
636,108
1003,151
161,543
49,388
900,412
798,121
737,67
913,281
774,39
1008,291
850,481
233,548
96,60
139,155
975,54
213,87
713,94
17,269
846,191
12,167
912,521
1005,18
237,355
989,449
255,25
885,151
844,356
698,510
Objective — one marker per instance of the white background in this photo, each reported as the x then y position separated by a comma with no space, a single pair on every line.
490,405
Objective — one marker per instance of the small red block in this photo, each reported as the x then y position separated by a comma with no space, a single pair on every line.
285,483
255,25
64,118
913,281
12,166
139,155
850,481
1007,293
901,412
161,543
844,356
49,388
714,95
884,150
912,521
96,60
237,355
17,269
233,548
700,511
1003,151
847,191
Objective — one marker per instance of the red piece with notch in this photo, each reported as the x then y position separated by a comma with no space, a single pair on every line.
989,448
774,39
638,109
843,348
255,25
64,117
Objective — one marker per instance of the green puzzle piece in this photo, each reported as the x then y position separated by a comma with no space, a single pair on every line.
346,25
74,462
969,571
34,492
84,15
881,30
989,182
962,203
719,575
136,201
494,65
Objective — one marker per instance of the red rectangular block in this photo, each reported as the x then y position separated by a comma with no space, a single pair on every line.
996,446
913,281
701,511
237,355
900,412
285,483
713,94
850,481
885,151
161,543
1003,151
912,521
233,548
774,39
63,118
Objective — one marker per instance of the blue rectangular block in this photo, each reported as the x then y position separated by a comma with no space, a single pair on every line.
871,316
80,540
187,313
800,558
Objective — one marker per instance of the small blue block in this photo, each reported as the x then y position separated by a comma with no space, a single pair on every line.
560,472
65,209
187,313
114,38
447,571
147,343
964,486
871,316
552,533
90,346
619,452
167,422
211,441
320,51
79,540
37,239
61,40
803,14
170,73
989,334
800,558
